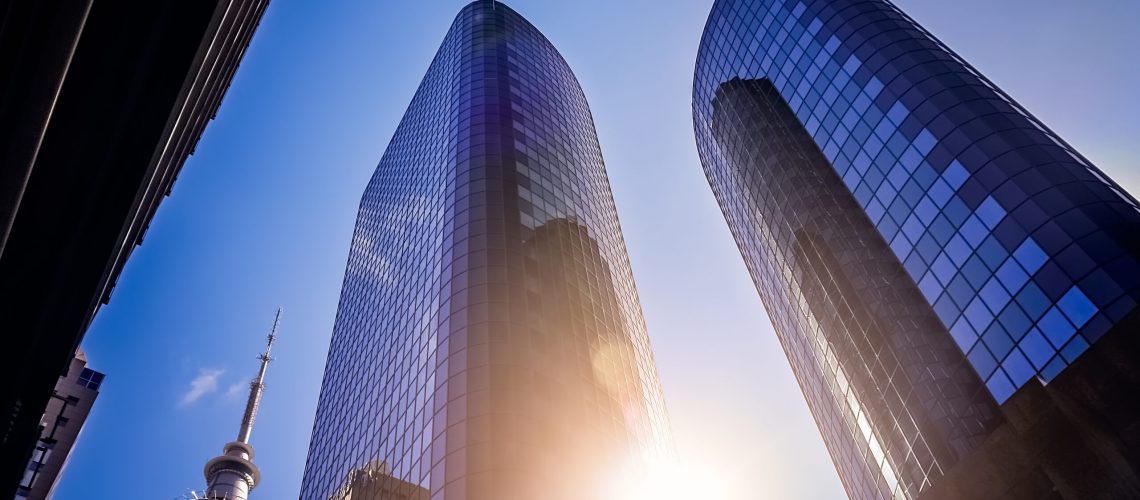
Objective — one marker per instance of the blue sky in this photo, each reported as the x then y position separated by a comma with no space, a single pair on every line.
262,214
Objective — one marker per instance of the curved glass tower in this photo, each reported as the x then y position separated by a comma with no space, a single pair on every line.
489,342
953,284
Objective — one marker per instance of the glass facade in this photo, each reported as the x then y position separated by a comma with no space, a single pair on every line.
924,246
489,342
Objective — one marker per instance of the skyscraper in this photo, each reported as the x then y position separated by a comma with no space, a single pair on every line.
953,284
67,412
489,342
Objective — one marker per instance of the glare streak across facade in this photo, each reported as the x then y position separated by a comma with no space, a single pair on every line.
924,246
489,342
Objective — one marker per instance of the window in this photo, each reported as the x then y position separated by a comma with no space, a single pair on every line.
91,379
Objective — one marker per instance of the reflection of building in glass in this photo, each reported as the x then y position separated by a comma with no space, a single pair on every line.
579,358
879,339
489,342
71,402
375,482
954,286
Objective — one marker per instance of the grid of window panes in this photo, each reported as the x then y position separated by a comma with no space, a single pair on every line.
843,304
489,342
1023,249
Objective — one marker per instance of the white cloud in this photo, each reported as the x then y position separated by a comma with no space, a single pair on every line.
235,391
205,383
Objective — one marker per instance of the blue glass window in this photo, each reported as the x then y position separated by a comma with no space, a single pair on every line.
979,316
974,231
1053,369
963,334
924,142
955,175
1037,348
940,192
898,113
1011,275
997,341
994,294
975,272
1033,300
1030,256
874,86
982,360
944,269
930,287
956,211
1075,348
1077,307
958,250
1056,328
1000,387
990,212
1018,368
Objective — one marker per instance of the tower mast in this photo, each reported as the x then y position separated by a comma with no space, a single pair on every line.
258,384
232,475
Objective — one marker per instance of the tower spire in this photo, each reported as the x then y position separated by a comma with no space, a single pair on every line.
232,475
258,384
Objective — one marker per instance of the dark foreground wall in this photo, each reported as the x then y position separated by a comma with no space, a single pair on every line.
101,102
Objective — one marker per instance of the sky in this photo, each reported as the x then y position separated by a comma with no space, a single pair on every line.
261,216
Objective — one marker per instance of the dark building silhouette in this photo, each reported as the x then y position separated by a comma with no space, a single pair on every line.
66,413
100,102
954,286
489,343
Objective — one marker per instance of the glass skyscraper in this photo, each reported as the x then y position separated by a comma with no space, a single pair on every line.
489,342
954,286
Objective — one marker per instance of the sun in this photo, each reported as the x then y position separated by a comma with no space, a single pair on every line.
667,478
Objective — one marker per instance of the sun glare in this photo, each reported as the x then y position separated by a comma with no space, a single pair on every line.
663,478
